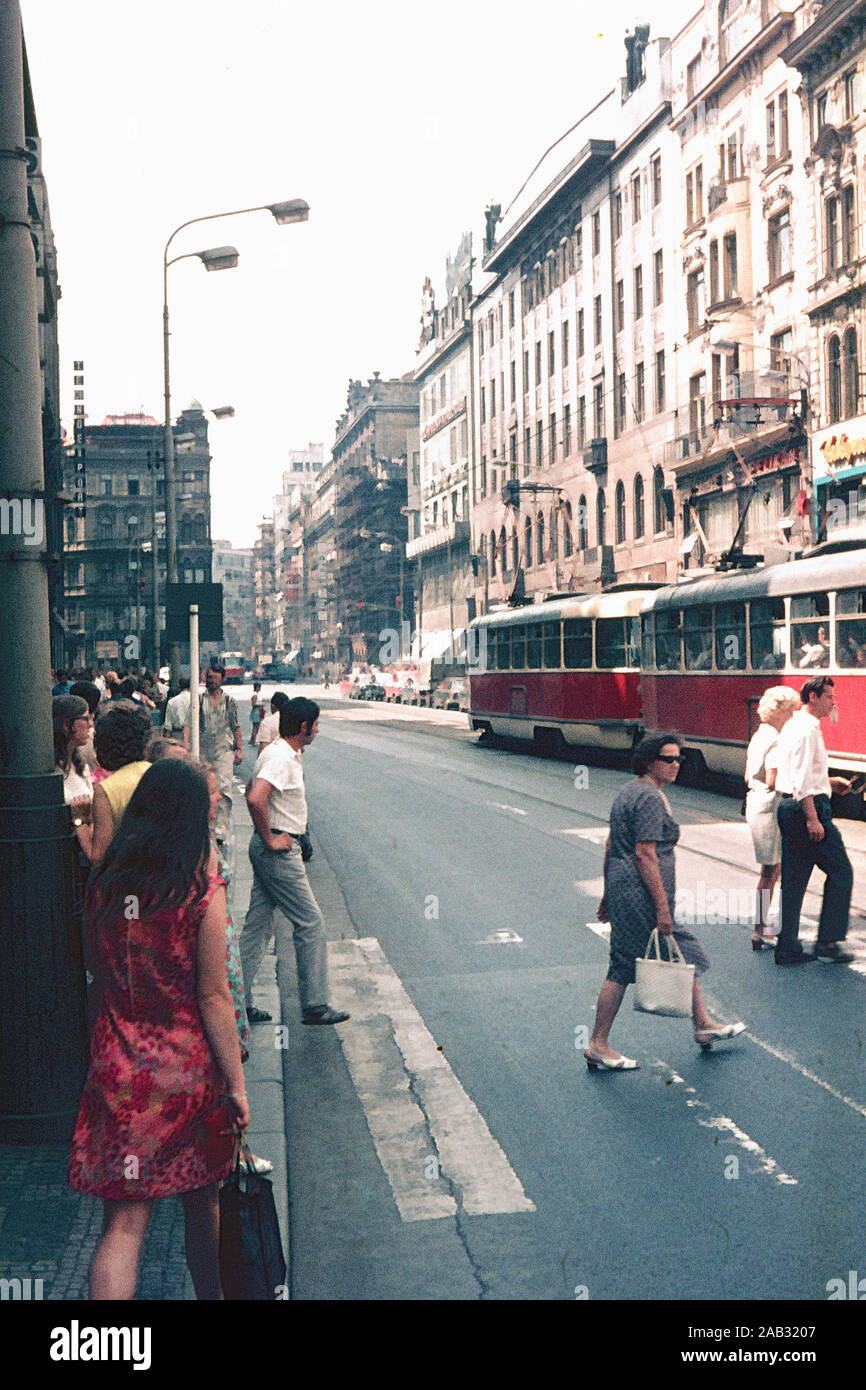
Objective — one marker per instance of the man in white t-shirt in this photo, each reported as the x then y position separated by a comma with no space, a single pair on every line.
278,806
269,727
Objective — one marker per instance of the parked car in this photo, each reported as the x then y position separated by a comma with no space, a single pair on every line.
452,693
374,689
279,671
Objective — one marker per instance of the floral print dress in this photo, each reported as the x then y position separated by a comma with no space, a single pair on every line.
153,1079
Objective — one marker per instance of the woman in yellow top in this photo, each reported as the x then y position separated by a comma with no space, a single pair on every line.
121,738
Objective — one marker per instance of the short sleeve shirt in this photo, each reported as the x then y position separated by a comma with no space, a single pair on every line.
282,766
640,814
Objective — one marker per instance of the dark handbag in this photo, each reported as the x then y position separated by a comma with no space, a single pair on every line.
743,805
218,1134
252,1266
306,845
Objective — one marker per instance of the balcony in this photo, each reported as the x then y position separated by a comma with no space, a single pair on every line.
595,458
454,534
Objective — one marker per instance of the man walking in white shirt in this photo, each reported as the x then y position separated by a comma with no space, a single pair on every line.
809,836
278,806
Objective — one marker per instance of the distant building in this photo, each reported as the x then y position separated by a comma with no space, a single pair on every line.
108,553
263,589
234,570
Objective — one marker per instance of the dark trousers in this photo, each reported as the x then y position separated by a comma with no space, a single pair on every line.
799,857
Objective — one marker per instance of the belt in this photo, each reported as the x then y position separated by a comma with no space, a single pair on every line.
787,796
275,831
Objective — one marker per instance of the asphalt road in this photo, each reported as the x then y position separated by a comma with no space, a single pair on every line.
474,873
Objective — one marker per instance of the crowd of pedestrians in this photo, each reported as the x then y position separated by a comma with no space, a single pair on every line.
171,973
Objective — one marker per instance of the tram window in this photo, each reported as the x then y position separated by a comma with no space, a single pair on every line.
609,643
767,634
698,639
518,648
648,642
731,636
503,650
486,647
851,627
577,643
632,643
667,626
552,646
533,646
810,630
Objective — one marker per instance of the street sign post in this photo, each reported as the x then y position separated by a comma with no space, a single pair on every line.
208,598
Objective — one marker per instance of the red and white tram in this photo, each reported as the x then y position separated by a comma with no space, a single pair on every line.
712,646
596,670
563,671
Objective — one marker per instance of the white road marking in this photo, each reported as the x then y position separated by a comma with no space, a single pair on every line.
418,1110
501,806
500,938
767,1164
598,837
809,1075
601,929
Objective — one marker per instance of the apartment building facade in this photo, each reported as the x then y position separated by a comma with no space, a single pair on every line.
573,338
739,455
233,568
829,56
438,548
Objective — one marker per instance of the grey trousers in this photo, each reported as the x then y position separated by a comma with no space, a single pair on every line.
280,881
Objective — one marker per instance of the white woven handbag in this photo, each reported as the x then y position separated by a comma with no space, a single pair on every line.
663,986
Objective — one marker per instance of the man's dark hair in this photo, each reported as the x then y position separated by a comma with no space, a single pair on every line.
649,748
295,714
183,683
815,685
89,692
278,700
122,734
215,666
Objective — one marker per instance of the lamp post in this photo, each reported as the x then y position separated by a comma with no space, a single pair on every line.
217,258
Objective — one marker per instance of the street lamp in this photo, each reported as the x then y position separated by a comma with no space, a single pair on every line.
217,258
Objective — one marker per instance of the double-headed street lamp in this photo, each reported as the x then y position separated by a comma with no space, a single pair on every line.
216,258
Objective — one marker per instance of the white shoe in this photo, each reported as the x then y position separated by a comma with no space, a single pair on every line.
594,1062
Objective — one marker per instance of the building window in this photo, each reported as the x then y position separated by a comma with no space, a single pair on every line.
639,393
566,431
729,257
831,233
600,516
849,228
511,309
551,353
850,104
693,78
619,404
578,248
695,299
581,422
105,486
582,514
620,513
658,501
513,380
779,244
638,507
694,195
731,15
483,405
597,315
481,348
527,542
552,436
565,345
697,404
539,444
834,381
527,450
567,545
538,363
581,334
596,234
617,216
850,373
635,198
781,345
492,554
658,278
492,396
714,272
638,291
483,476
656,179
820,112
620,306
526,381
132,487
598,411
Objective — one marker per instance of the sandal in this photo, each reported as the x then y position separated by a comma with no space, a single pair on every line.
762,942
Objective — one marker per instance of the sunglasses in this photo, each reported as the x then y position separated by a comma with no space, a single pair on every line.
669,758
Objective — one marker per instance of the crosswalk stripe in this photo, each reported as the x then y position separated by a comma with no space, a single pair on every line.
435,1148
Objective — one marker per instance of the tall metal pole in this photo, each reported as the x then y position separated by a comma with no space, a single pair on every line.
152,468
194,700
170,486
42,983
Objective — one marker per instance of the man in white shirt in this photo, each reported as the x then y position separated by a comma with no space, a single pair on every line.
177,709
809,836
278,806
269,727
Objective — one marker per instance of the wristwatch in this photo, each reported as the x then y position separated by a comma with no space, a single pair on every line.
77,820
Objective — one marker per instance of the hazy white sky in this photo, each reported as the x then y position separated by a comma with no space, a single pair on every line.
396,121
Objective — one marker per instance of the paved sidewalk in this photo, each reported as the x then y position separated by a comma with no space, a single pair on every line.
49,1232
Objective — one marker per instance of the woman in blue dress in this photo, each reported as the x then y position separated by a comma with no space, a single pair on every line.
639,894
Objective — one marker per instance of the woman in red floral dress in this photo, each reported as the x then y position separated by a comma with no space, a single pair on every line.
165,1047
